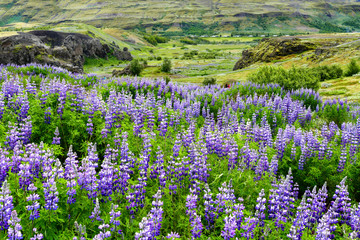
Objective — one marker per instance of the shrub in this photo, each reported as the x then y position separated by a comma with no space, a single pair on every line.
154,39
188,41
135,67
294,78
329,72
209,81
145,63
352,68
166,65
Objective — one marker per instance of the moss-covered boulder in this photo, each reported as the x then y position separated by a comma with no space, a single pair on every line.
271,49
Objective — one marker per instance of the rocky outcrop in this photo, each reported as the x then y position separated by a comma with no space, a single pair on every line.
123,55
125,71
67,50
271,49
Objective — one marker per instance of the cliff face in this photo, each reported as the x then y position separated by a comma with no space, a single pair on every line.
271,49
67,50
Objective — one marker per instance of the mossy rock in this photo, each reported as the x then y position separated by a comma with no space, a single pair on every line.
271,49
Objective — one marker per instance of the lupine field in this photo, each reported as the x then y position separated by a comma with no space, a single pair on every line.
85,157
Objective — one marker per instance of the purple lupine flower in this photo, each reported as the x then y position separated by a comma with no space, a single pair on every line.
34,203
104,233
342,160
12,136
115,223
6,205
191,204
4,165
260,208
293,152
233,155
209,207
51,194
90,126
71,173
355,222
296,191
177,146
106,175
274,165
151,224
323,149
225,199
250,225
317,204
80,230
137,195
238,213
2,104
25,130
327,226
56,139
262,165
87,177
173,235
37,236
353,148
301,220
230,227
48,115
281,201
25,175
163,127
95,214
197,227
14,230
342,206
138,122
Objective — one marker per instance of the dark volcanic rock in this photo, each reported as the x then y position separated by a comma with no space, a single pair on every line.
67,50
271,49
123,55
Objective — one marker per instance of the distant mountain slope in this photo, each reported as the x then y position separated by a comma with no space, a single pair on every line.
192,16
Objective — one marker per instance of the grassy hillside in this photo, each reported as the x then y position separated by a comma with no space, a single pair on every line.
191,16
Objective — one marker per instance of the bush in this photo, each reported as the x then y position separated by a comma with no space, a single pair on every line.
292,79
329,72
209,81
188,41
135,67
145,63
166,65
154,39
352,68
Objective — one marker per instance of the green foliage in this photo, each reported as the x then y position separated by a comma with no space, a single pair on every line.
335,113
292,79
209,81
352,68
188,41
325,26
353,22
166,65
136,67
167,79
328,72
155,39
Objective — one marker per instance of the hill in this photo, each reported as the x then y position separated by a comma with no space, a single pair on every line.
190,16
